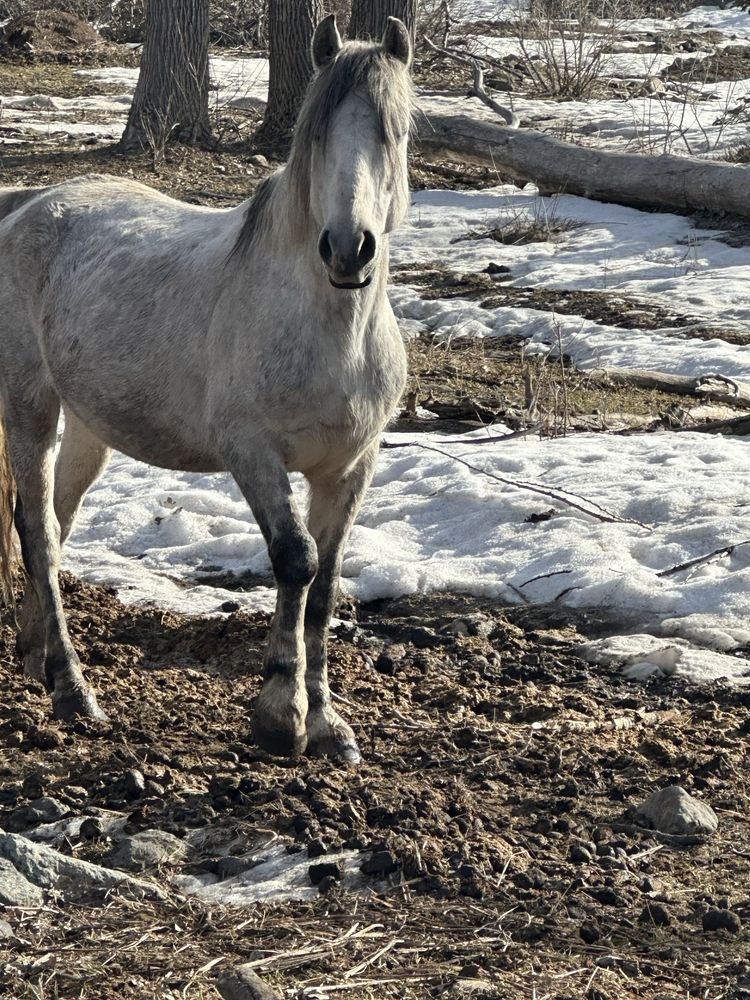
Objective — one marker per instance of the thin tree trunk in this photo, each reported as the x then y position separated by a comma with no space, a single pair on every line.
625,178
291,24
369,17
171,98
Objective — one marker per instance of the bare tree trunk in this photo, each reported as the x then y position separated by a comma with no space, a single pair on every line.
291,24
171,98
625,178
369,17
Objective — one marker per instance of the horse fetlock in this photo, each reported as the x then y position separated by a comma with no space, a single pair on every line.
329,736
279,718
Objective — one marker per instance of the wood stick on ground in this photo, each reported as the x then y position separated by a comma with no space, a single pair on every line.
727,550
715,388
573,500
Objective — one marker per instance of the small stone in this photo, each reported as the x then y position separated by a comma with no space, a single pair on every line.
673,810
147,849
316,848
34,785
379,864
91,828
589,932
579,855
326,884
230,607
133,784
231,866
385,664
726,920
6,932
258,160
655,913
326,869
43,810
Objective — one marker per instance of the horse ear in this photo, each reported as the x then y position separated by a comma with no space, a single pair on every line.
326,43
396,41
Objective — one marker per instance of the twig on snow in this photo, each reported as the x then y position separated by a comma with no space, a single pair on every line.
727,550
573,500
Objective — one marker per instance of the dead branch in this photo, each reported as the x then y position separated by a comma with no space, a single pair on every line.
478,89
572,500
738,425
727,550
711,387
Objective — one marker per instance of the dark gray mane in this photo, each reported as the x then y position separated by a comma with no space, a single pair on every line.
380,79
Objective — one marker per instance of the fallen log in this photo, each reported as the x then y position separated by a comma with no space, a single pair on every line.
709,388
560,167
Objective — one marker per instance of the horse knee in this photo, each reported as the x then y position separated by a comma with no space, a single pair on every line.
294,558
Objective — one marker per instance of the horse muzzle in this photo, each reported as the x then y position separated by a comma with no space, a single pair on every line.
348,260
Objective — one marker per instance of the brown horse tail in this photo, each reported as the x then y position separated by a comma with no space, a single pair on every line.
8,545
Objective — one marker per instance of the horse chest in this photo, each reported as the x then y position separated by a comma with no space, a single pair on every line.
330,420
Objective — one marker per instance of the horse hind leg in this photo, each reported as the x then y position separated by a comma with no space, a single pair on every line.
31,442
80,461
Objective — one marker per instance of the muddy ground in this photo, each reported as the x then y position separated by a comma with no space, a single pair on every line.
489,758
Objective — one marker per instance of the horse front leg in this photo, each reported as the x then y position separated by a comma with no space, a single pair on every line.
334,503
281,707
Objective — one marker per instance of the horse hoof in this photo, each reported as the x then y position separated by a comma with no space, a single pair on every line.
276,739
334,739
78,703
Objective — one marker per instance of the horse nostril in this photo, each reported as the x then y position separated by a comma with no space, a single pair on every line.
366,248
324,247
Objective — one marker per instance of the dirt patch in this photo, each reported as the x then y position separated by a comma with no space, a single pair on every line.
729,63
491,754
492,292
51,35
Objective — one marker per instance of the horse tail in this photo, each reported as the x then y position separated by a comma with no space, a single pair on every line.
8,547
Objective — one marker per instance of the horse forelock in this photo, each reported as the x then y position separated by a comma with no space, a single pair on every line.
384,82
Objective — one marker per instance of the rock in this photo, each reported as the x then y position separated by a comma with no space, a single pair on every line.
42,810
589,932
230,866
242,983
47,868
15,888
91,828
147,849
324,869
326,884
379,864
316,848
673,810
580,855
229,607
726,920
6,932
655,913
258,160
133,784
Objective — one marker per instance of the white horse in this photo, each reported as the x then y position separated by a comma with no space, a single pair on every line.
257,340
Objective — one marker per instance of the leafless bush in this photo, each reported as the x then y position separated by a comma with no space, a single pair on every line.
563,47
519,227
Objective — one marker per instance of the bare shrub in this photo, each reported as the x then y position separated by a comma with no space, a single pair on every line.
563,47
